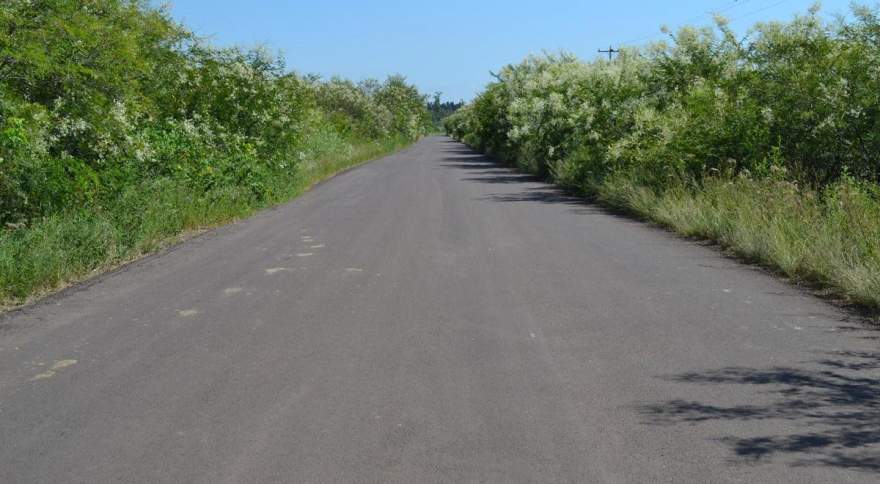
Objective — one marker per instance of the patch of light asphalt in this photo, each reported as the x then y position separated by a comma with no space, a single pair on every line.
58,365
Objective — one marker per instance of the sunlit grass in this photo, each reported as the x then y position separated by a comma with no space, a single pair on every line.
828,239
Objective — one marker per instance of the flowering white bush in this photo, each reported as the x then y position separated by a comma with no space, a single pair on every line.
805,94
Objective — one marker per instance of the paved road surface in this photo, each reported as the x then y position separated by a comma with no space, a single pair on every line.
433,317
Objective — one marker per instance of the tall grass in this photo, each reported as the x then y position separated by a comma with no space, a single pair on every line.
828,238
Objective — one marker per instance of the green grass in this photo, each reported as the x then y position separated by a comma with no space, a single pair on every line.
68,247
828,239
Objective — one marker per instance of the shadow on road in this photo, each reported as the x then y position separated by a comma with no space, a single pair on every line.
836,404
520,187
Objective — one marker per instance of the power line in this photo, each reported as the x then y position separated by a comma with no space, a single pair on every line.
611,51
721,9
768,7
731,6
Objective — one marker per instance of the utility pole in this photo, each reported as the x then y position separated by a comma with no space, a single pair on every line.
611,51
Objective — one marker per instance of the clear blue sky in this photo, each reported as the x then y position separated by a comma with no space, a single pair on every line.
451,45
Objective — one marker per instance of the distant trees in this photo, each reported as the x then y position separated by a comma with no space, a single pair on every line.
440,110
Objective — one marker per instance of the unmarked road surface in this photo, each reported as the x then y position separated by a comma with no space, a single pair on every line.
433,317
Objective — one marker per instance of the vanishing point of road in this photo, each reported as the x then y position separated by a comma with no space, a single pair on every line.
434,317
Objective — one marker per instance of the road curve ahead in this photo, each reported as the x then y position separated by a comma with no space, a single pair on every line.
433,317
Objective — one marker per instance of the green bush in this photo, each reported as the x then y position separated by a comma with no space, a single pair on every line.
805,94
98,95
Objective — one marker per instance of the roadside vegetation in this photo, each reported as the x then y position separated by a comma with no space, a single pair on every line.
440,110
769,145
121,130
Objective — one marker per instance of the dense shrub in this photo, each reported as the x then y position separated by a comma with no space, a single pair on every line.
97,96
802,95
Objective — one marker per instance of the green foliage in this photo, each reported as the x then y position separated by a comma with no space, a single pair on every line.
408,114
115,117
441,110
98,95
805,94
769,144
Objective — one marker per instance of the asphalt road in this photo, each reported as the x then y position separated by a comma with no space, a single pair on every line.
433,317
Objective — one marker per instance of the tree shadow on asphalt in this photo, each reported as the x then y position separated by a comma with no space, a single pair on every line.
834,407
484,169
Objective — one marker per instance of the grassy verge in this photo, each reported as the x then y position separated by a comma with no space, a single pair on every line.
72,246
828,239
